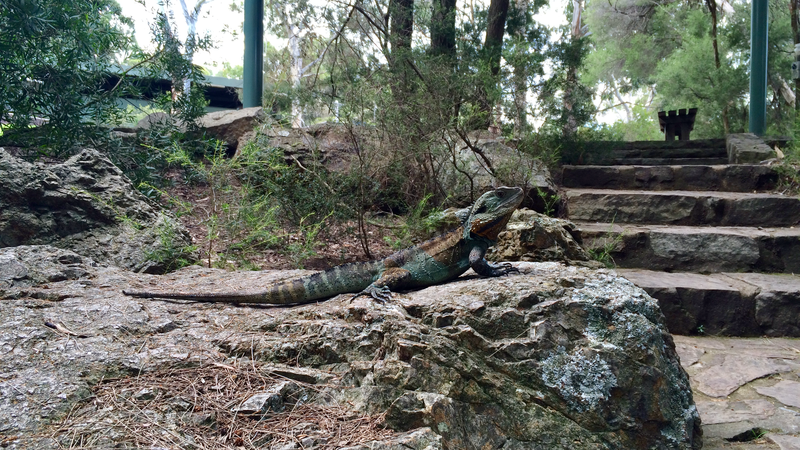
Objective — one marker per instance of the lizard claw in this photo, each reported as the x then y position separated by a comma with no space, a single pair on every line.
505,269
381,294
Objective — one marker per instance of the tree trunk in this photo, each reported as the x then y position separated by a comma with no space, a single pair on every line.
443,53
493,47
293,35
401,14
520,76
570,127
615,90
495,29
191,35
296,72
443,28
712,8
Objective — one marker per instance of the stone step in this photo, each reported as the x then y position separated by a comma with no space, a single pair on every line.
732,178
682,207
658,153
730,304
667,161
655,149
684,152
670,145
699,249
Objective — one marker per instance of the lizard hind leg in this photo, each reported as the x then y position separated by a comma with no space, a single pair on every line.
382,294
381,289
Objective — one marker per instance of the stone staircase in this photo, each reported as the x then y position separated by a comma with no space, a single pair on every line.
696,224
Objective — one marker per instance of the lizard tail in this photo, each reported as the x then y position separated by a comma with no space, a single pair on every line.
337,280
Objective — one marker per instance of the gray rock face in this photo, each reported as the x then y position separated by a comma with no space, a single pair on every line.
87,205
554,357
30,265
721,380
742,385
786,392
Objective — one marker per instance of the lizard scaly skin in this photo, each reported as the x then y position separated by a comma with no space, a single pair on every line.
435,261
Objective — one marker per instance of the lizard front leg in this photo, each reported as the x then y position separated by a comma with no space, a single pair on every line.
486,269
381,289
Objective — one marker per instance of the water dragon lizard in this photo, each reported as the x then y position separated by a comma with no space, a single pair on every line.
435,261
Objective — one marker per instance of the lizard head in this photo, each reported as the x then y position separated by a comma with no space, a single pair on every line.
489,215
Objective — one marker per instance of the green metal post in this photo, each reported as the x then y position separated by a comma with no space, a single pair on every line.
253,52
758,67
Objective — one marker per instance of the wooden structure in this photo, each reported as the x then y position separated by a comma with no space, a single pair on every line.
677,123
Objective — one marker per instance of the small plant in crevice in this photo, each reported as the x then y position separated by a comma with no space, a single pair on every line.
788,170
750,435
788,167
603,247
550,201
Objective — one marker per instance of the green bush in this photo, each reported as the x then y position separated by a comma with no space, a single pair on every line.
53,72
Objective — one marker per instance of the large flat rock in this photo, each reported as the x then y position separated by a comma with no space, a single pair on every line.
732,178
694,248
732,304
722,379
683,207
762,381
555,357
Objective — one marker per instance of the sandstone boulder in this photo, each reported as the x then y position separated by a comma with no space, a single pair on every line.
87,205
230,126
334,146
156,119
506,166
531,236
329,143
554,357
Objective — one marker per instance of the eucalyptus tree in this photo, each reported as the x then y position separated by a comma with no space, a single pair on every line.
296,22
679,54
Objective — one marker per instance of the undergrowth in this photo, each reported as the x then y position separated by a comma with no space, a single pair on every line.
244,211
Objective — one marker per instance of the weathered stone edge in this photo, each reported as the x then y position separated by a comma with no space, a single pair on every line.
747,148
